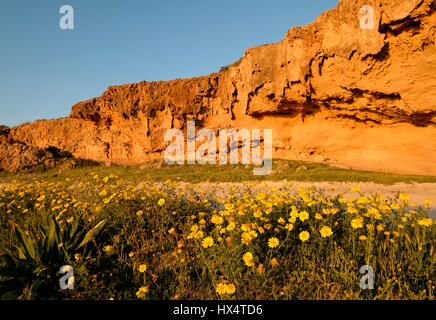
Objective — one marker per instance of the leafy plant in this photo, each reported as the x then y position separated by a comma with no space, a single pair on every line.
31,271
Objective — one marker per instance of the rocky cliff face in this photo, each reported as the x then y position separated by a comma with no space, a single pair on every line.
331,91
17,156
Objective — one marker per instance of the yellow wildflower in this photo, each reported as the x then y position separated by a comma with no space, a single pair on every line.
142,268
380,227
357,223
404,197
355,188
273,242
304,215
223,288
289,227
142,292
425,222
326,232
274,262
248,259
207,242
231,288
216,219
304,236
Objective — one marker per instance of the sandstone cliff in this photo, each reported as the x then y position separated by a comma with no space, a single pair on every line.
331,91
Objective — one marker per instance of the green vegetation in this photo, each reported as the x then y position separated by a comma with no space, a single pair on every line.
169,241
282,170
31,269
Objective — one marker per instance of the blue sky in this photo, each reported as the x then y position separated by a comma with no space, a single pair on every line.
44,70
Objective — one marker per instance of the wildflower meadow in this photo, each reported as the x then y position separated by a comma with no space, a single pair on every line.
166,240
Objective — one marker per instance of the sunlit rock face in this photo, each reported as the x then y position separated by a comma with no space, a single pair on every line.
331,91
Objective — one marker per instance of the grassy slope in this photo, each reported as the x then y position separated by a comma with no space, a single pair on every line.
227,173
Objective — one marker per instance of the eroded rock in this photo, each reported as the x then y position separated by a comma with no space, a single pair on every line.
364,99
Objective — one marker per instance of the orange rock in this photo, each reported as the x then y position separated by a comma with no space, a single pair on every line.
331,92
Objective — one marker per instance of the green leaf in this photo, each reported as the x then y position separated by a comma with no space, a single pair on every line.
21,254
92,233
25,243
7,257
37,284
51,235
11,295
74,227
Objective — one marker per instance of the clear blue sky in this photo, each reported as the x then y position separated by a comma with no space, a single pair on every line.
44,70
